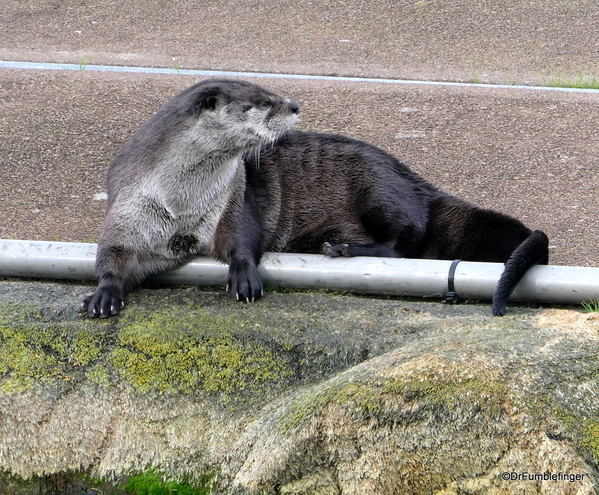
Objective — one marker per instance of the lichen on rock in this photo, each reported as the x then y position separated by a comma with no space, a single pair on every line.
300,393
167,353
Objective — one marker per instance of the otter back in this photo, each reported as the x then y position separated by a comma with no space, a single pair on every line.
326,193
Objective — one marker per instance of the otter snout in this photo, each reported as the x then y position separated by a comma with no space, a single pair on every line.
293,106
282,116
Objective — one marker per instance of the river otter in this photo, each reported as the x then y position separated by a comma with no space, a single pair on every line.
177,187
319,192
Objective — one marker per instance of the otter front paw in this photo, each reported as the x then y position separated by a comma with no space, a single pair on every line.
244,282
336,250
106,301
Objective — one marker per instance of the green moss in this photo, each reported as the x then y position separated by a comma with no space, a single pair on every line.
367,400
35,349
153,482
166,353
22,364
150,482
14,314
360,400
28,354
86,349
471,393
98,374
566,418
590,438
583,429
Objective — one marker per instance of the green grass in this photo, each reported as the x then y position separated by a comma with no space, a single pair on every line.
176,64
581,81
152,482
84,62
556,80
475,78
512,79
591,306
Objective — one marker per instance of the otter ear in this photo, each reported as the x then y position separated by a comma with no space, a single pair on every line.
211,102
206,101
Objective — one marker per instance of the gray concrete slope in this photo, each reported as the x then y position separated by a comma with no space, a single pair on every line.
504,40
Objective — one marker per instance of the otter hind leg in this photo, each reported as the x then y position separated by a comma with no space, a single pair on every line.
374,249
392,236
533,251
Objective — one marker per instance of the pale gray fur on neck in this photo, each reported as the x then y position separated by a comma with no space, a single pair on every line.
189,182
186,193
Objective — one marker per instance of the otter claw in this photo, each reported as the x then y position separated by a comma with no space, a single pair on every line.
244,281
334,251
106,301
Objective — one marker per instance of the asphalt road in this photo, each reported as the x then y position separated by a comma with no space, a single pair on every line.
531,154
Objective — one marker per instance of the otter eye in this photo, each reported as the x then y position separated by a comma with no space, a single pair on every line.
265,104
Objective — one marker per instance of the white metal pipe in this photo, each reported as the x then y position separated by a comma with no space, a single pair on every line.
392,276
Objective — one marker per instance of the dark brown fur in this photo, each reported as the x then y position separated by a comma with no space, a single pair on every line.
310,190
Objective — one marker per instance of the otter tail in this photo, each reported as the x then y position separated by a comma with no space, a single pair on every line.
533,251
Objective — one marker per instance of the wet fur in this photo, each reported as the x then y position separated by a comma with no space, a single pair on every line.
176,189
310,190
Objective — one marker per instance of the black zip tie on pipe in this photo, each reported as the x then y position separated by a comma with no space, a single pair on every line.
451,297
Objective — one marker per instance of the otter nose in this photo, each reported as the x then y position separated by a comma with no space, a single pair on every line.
293,106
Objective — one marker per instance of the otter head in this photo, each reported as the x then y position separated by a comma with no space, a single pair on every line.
238,115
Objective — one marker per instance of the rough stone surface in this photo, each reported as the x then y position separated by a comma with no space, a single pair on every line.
300,393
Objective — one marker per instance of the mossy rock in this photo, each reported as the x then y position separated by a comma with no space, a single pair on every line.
300,393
